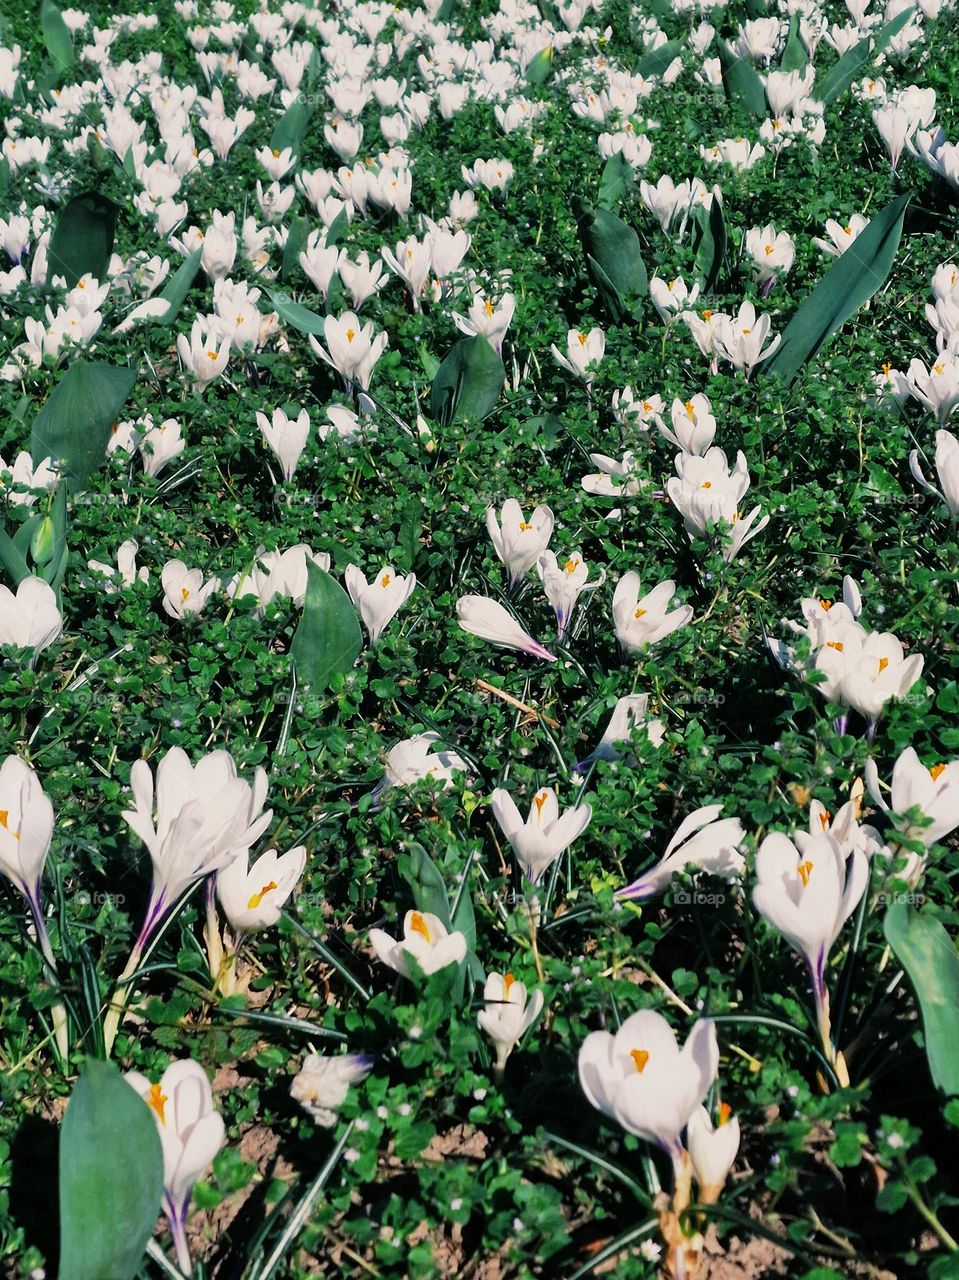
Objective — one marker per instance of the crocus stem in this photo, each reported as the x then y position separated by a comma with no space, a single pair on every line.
58,1011
111,1023
176,1216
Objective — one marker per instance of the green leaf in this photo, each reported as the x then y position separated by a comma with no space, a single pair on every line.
741,82
111,1177
709,243
13,559
540,68
795,55
657,61
82,240
846,286
427,884
178,286
614,259
928,955
468,382
291,127
855,60
328,640
56,36
74,425
295,242
295,314
616,181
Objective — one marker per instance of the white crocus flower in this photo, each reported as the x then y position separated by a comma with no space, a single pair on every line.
411,263
253,897
702,840
415,758
286,437
489,319
641,1078
30,619
191,1133
184,591
377,602
712,1150
808,896
545,834
564,582
742,338
488,619
693,424
323,1082
126,568
706,491
864,670
603,483
843,826
947,471
631,410
517,541
629,713
425,940
669,297
26,829
23,481
584,351
937,387
160,445
204,356
353,349
278,573
841,234
508,1014
934,791
642,621
772,253
219,246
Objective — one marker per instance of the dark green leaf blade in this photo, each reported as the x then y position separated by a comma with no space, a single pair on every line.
111,1177
56,36
741,81
468,382
82,240
846,286
74,425
328,640
928,955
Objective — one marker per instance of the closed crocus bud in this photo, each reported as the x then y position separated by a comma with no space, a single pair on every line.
323,1082
26,829
378,601
642,1078
191,1134
253,897
30,619
629,713
508,1014
640,622
947,470
544,835
416,758
700,841
184,591
712,1150
286,437
426,940
488,619
517,541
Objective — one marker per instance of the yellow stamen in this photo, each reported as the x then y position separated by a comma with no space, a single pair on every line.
184,593
157,1099
571,566
350,335
582,339
934,773
847,231
834,644
508,981
212,355
824,818
539,801
258,897
805,871
725,1111
883,663
707,314
385,580
640,613
418,925
690,411
489,306
640,1057
886,368
524,526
